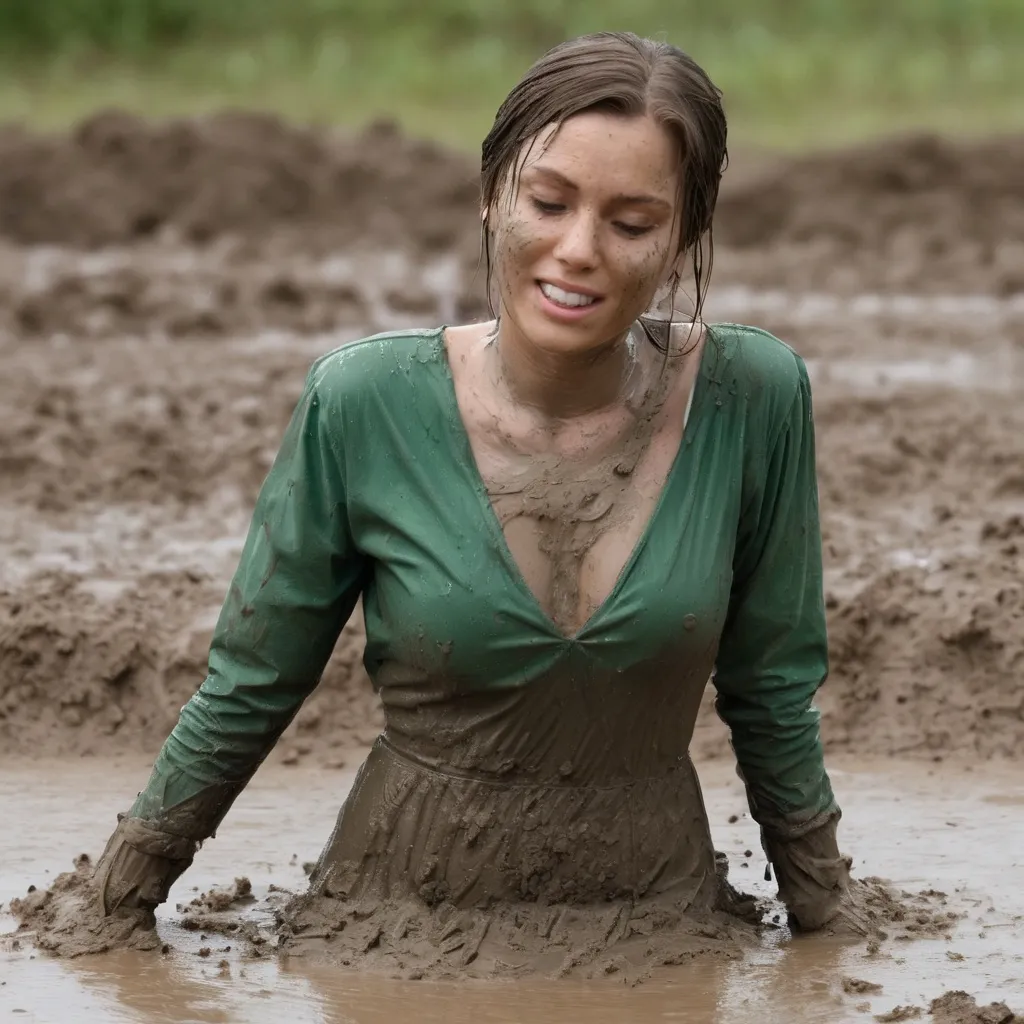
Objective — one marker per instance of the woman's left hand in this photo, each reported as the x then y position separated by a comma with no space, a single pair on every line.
842,918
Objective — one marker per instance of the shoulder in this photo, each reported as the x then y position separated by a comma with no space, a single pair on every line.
759,383
370,363
383,374
756,362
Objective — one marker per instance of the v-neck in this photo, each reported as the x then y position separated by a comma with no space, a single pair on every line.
460,438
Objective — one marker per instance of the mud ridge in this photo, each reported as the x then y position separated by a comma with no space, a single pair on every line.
406,939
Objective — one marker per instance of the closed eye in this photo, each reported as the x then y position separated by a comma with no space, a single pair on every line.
551,209
544,207
633,230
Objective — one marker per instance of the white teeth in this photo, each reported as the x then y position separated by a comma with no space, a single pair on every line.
564,298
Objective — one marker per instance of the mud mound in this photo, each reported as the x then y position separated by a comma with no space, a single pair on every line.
160,291
90,667
929,666
917,213
116,179
912,214
66,919
134,423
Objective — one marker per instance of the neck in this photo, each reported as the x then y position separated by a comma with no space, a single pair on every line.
563,385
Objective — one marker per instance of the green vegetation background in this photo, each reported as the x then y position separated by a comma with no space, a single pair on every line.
795,72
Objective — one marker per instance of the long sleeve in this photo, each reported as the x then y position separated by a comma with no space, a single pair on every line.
773,655
297,583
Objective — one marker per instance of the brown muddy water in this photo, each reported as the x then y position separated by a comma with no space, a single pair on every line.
960,830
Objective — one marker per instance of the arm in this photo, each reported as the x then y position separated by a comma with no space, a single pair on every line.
772,659
297,583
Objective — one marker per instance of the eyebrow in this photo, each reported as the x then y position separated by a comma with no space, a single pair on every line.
641,199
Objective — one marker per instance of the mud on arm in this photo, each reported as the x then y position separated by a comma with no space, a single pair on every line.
772,659
297,583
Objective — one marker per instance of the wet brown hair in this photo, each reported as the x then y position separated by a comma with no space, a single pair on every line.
629,76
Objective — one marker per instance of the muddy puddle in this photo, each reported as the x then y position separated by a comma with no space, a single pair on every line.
921,827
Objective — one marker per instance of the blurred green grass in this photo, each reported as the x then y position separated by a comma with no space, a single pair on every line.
795,74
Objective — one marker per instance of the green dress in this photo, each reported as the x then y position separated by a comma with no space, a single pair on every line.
519,764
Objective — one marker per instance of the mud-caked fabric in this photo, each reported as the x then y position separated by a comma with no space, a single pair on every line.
375,495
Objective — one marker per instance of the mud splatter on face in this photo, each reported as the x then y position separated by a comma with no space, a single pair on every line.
592,205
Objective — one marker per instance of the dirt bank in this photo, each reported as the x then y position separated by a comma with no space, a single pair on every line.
912,214
116,179
241,222
93,666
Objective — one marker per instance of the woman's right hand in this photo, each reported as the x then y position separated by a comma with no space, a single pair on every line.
111,907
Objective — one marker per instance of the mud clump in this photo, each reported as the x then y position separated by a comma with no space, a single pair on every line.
217,900
857,986
899,1013
219,912
960,1008
954,1008
67,918
905,916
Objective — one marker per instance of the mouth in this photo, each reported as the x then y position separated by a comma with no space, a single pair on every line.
568,299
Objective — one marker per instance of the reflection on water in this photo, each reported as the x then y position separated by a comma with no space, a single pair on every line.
961,832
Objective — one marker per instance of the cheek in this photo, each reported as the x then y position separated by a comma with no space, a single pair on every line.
643,273
517,242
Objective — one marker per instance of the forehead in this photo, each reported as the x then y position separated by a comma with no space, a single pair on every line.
607,153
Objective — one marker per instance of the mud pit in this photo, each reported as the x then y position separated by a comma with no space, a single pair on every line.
166,287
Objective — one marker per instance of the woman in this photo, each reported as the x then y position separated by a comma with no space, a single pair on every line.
560,523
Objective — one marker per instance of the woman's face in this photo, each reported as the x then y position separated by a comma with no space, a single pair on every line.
590,236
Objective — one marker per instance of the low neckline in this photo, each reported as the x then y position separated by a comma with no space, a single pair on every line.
464,447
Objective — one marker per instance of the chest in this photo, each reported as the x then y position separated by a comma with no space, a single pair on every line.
571,521
452,595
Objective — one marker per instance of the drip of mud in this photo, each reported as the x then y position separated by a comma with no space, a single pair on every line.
949,838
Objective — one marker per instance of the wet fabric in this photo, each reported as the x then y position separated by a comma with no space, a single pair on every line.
375,494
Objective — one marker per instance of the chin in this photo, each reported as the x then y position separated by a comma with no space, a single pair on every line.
565,339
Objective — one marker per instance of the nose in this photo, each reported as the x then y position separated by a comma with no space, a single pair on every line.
577,245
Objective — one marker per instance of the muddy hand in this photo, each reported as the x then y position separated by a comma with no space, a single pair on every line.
112,907
849,917
815,883
139,866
